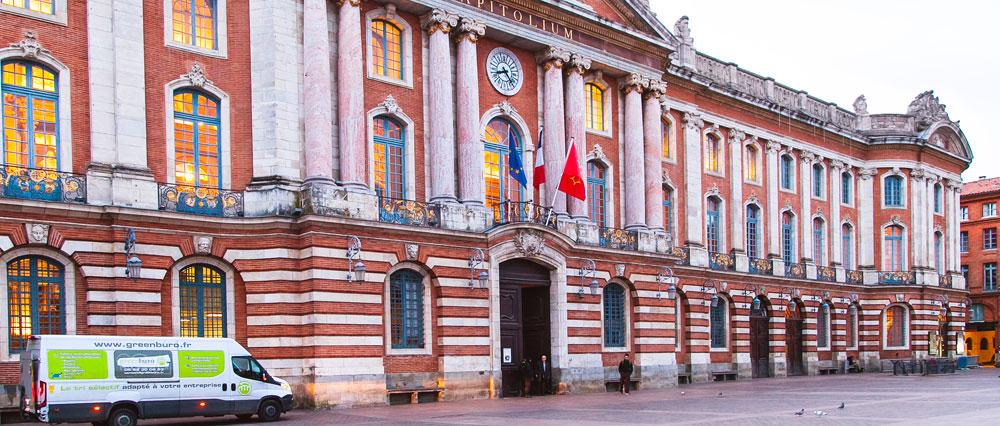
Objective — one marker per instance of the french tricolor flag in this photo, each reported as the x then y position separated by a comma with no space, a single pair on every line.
539,174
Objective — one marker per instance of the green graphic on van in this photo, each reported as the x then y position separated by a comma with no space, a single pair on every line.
143,364
78,365
243,388
201,363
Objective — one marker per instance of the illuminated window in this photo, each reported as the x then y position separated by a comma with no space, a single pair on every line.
196,141
665,139
406,299
750,167
895,330
41,6
614,316
202,302
195,23
35,301
598,190
387,49
388,155
30,136
595,107
500,186
713,149
892,248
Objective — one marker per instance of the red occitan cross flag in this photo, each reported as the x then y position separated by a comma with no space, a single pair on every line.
572,182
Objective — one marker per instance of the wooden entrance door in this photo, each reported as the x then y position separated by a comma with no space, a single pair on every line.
524,320
759,350
793,335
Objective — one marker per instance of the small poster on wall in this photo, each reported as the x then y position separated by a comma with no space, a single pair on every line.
506,356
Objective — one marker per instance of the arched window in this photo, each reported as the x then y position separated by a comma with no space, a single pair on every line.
938,204
787,237
896,327
819,241
750,164
845,188
984,344
387,49
976,313
614,316
30,99
35,299
196,140
668,210
753,231
40,6
846,246
938,253
389,151
665,139
823,326
819,185
893,196
852,326
500,187
202,301
718,326
787,172
194,23
406,300
712,224
713,148
598,190
595,107
892,248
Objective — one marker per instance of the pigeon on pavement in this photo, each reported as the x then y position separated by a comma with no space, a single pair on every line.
720,394
800,412
841,406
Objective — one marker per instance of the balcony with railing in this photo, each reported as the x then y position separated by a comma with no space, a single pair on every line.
760,266
523,212
795,270
43,185
721,261
854,277
618,239
826,273
201,201
409,212
897,277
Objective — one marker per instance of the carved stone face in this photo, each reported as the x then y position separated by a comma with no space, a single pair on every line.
412,251
204,245
39,233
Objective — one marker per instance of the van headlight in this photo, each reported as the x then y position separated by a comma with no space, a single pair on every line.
286,387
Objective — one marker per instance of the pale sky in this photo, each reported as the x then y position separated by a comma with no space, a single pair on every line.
888,50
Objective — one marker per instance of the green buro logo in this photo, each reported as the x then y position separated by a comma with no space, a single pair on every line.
243,388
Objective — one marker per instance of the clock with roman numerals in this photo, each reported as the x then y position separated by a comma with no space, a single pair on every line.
504,71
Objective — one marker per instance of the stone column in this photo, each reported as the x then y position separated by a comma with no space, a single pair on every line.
470,147
635,187
693,203
866,224
805,211
576,126
836,186
554,131
441,106
653,154
918,217
772,213
317,90
737,225
350,97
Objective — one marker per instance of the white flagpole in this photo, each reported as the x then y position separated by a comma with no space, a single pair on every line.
552,203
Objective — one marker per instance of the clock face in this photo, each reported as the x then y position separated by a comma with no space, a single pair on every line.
504,71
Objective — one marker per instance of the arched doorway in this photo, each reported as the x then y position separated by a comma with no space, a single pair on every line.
793,337
759,340
525,326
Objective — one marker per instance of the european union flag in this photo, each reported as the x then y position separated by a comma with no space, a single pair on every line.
514,165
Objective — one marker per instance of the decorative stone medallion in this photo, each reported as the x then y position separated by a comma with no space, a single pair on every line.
37,233
529,242
619,269
202,244
412,250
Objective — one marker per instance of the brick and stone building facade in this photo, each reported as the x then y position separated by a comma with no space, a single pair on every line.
978,245
262,151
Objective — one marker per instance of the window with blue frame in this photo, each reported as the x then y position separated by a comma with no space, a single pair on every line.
939,252
823,326
202,301
787,237
893,196
718,326
194,23
30,115
389,152
818,242
845,188
597,189
753,231
787,172
846,245
35,299
499,185
712,234
852,326
892,248
406,299
976,312
614,316
938,208
963,241
818,182
387,49
197,159
668,211
990,276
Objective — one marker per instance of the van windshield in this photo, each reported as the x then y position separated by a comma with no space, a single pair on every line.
248,368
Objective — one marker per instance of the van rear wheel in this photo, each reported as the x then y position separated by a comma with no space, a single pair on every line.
269,411
122,417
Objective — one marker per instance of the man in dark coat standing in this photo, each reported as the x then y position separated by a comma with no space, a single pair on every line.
527,374
625,371
544,372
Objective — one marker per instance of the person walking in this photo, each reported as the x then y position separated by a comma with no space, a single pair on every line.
625,371
544,372
527,374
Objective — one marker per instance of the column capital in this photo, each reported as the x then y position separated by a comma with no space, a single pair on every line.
353,3
737,136
838,165
773,146
470,29
553,57
866,174
634,82
952,184
807,157
578,63
693,121
655,88
439,20
919,174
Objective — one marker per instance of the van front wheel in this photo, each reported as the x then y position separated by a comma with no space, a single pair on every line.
269,411
122,417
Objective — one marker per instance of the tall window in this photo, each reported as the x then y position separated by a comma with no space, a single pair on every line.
989,210
202,301
668,209
387,49
787,237
712,224
939,252
963,213
598,189
500,186
963,241
753,231
845,188
818,241
717,317
852,326
989,239
965,273
990,276
30,136
406,309
41,6
388,153
892,248
787,172
893,196
665,139
679,325
194,23
614,316
976,313
35,299
595,107
895,327
714,148
846,245
818,184
196,140
938,207
750,167
823,326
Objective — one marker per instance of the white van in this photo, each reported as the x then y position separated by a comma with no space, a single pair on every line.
117,380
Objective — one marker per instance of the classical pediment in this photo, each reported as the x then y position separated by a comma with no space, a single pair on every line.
632,14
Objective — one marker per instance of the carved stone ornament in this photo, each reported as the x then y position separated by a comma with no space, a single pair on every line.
819,214
439,20
202,244
666,179
788,206
900,297
529,242
826,295
412,251
619,269
656,88
29,45
634,82
471,28
390,105
597,153
683,31
693,121
927,109
714,190
196,76
736,135
854,297
752,199
861,105
937,227
838,165
505,108
895,220
773,146
37,233
579,63
865,174
553,57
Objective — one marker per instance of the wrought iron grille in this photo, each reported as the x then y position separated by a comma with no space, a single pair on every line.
855,277
795,270
721,261
620,239
42,185
203,201
761,266
523,212
897,277
409,212
826,273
